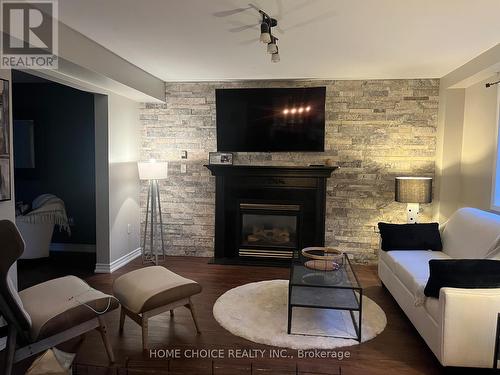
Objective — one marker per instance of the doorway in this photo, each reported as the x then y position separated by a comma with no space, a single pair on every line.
54,178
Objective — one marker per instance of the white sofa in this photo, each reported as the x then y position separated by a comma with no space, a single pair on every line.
460,326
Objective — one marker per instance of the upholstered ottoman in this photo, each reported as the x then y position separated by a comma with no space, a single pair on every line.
150,291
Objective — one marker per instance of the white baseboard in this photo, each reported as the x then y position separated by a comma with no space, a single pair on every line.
120,262
72,247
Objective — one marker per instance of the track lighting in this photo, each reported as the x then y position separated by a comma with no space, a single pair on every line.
272,47
275,57
265,35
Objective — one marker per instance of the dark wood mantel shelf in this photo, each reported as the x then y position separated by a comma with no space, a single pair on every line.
268,170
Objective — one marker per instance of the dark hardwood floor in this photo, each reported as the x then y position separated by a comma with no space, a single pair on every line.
398,350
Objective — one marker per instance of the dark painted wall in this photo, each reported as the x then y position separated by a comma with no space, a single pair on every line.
64,151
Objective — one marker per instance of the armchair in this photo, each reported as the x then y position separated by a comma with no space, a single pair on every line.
49,313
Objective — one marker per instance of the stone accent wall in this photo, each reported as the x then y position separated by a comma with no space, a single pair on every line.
375,131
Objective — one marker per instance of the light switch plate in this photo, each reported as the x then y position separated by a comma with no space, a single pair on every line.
183,168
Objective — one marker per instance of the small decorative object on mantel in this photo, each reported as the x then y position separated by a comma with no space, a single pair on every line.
323,258
220,158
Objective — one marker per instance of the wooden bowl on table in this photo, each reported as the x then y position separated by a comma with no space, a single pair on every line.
323,258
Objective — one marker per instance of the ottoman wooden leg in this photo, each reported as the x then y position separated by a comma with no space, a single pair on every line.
122,319
144,332
107,344
190,306
10,349
171,312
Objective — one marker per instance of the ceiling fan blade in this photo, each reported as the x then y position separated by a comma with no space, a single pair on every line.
230,12
248,41
306,3
320,17
279,5
256,7
280,29
238,29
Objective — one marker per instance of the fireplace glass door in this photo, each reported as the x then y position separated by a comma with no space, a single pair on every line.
269,230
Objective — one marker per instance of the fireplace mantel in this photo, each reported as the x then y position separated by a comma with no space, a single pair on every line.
239,186
271,170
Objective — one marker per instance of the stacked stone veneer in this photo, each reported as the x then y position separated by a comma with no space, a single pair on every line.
375,131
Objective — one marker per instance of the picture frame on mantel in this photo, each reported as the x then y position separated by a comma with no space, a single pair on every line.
220,158
5,162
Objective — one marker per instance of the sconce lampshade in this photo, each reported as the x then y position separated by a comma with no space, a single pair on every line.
413,189
152,170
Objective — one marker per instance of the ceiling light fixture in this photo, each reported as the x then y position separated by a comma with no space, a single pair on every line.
275,57
266,35
272,47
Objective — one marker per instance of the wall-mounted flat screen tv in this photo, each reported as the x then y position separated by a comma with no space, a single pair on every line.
270,119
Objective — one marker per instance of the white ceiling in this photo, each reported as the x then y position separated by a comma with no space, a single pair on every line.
203,40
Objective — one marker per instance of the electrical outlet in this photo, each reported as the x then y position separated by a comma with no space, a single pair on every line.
129,228
183,168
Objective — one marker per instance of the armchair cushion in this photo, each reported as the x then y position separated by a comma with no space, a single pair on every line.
462,273
410,236
59,304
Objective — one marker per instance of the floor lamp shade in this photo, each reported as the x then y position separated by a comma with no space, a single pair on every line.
153,170
413,191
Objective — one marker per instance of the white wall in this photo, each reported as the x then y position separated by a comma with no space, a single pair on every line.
479,145
467,136
124,206
101,179
117,180
448,152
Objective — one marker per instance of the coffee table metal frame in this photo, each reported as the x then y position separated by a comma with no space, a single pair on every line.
344,295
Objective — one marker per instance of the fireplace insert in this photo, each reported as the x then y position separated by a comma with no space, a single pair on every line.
269,230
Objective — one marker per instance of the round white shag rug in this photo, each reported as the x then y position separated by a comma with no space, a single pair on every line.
259,311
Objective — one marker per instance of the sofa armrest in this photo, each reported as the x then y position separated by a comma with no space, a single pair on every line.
468,326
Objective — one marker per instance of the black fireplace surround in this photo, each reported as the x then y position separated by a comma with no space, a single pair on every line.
266,214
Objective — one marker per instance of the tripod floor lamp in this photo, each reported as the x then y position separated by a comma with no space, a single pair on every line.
153,171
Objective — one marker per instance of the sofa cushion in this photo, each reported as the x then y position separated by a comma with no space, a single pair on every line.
471,233
462,273
410,236
412,268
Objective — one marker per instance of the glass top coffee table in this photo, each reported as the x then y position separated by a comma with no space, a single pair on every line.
329,290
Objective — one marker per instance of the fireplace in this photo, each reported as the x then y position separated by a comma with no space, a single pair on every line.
269,230
265,215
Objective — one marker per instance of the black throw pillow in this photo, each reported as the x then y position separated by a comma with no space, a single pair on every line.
462,273
410,236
